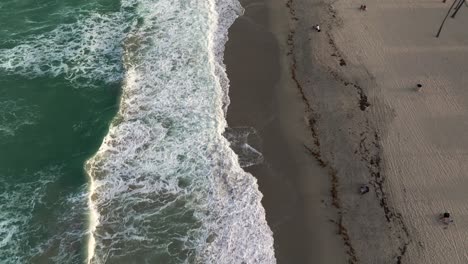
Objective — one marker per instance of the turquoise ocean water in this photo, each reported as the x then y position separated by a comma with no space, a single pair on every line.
111,147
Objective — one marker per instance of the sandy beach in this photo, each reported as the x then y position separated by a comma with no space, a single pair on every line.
294,187
422,135
339,108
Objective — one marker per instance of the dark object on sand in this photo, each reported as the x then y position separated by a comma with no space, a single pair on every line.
418,87
459,4
364,189
363,7
317,27
445,218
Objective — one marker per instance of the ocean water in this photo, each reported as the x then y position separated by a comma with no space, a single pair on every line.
112,116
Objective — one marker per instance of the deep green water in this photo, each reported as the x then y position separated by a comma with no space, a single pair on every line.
48,127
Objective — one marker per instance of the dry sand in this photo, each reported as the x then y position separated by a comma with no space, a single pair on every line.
426,141
338,108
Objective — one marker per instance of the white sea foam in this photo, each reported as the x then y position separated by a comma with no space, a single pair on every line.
165,185
239,139
86,51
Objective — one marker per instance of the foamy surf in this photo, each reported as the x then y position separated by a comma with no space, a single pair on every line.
84,52
165,185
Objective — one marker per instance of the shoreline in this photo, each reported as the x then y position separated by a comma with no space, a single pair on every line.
341,114
307,148
295,188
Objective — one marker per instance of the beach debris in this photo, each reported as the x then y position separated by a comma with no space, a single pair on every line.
457,4
363,8
418,87
445,218
317,28
364,189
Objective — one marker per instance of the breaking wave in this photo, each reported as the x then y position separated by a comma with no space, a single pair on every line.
165,185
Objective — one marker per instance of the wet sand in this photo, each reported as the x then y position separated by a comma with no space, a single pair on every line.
294,187
337,109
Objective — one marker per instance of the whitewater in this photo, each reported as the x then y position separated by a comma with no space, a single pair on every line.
165,186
